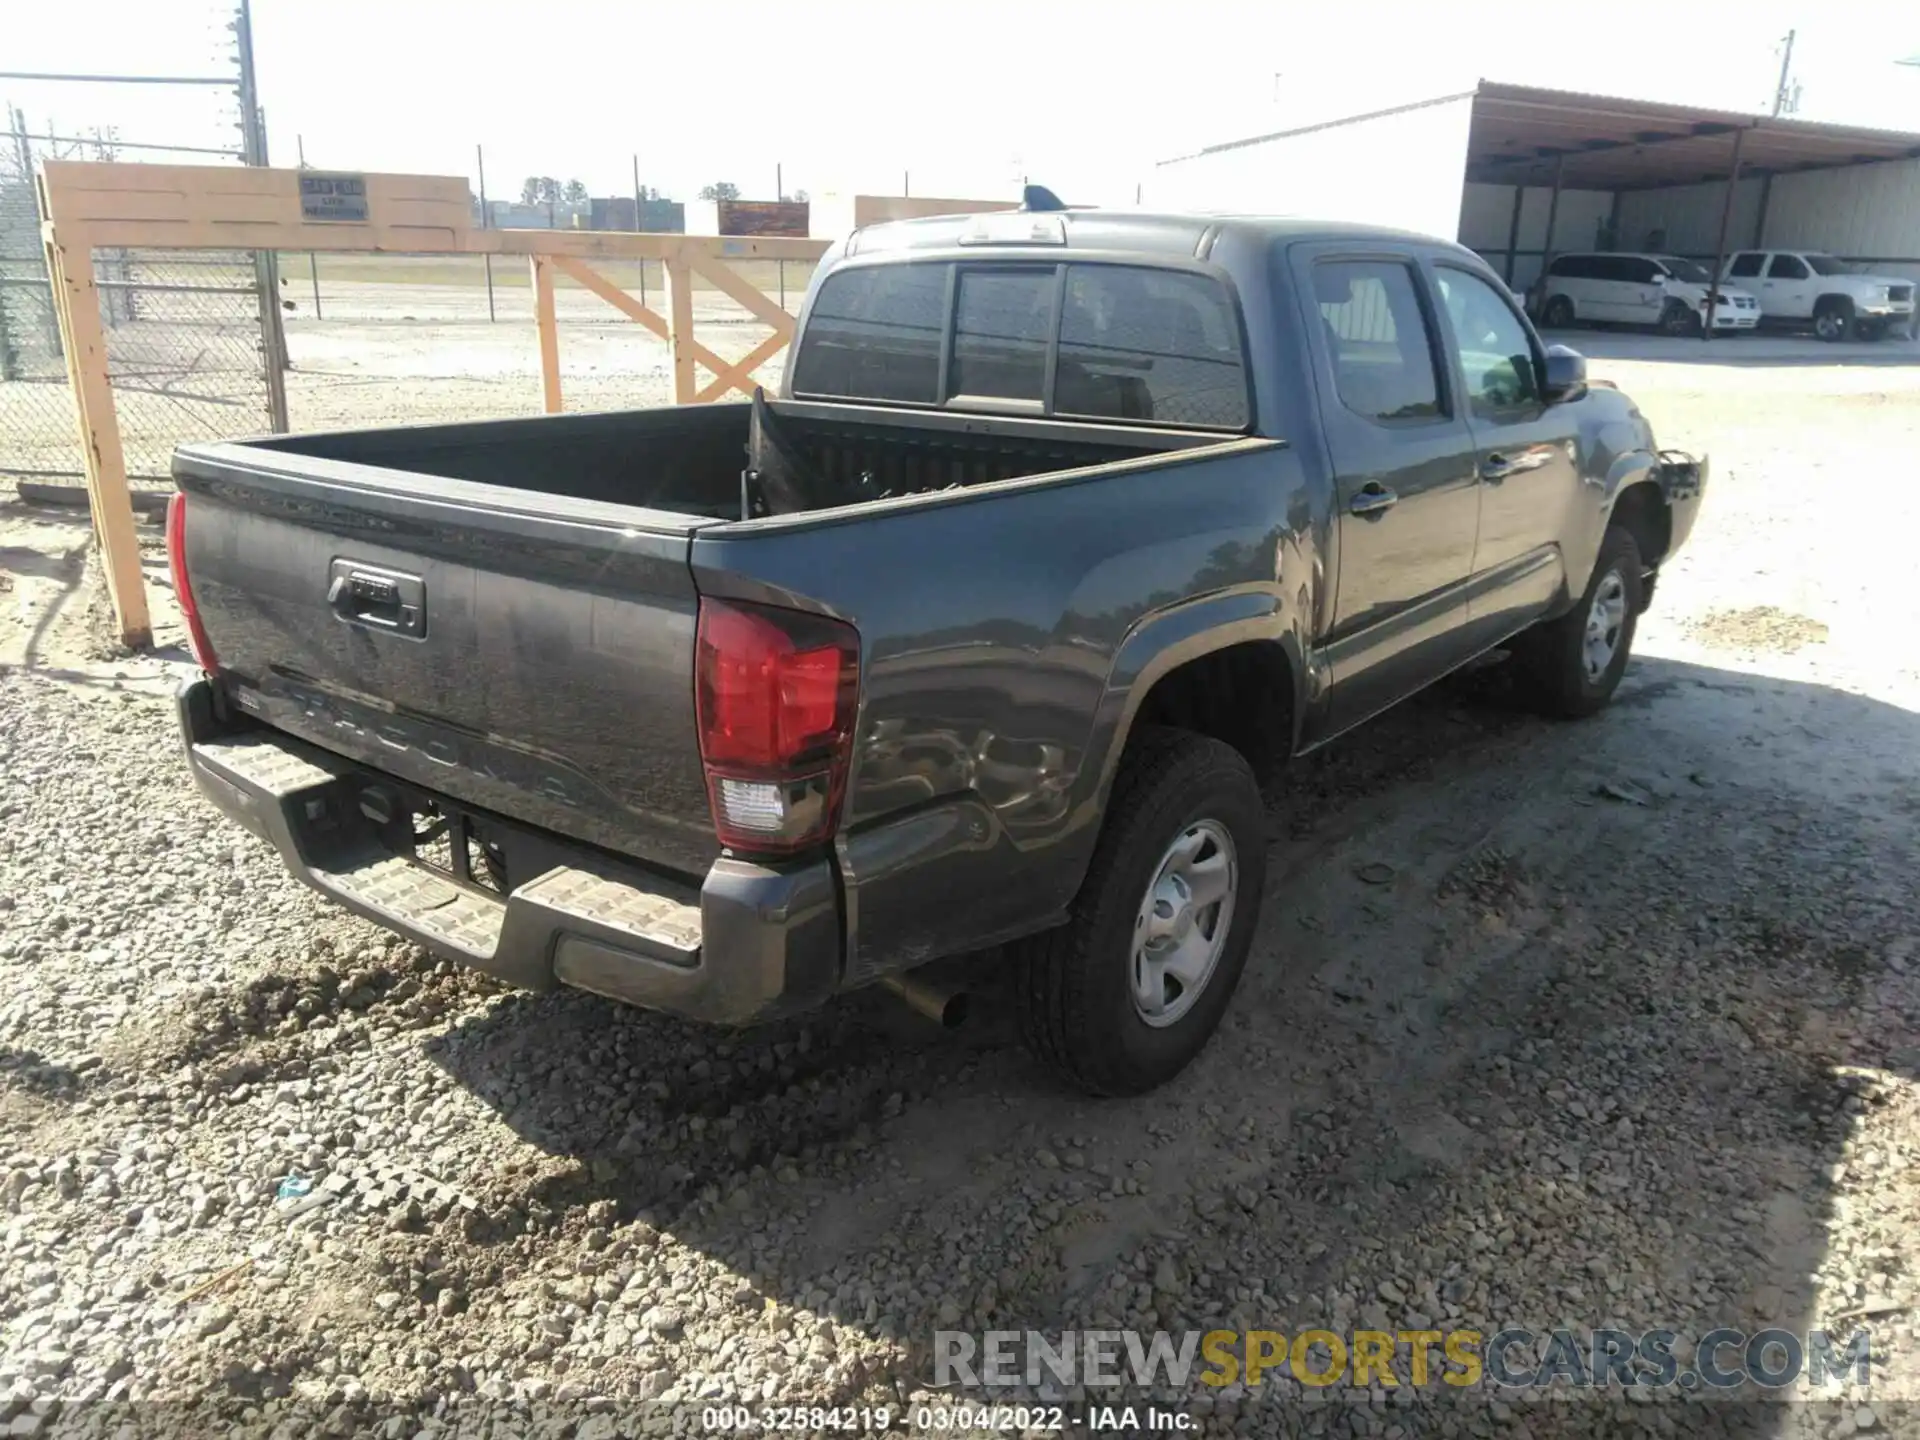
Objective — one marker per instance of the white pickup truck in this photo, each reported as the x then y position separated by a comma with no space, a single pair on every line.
1838,300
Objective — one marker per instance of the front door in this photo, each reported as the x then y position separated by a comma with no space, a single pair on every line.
1407,501
1527,459
1787,288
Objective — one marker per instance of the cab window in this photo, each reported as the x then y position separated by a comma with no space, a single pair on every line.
1787,267
1747,266
1496,352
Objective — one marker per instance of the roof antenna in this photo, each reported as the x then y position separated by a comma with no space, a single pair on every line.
1039,197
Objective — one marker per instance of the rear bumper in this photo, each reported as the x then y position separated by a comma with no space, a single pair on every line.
751,943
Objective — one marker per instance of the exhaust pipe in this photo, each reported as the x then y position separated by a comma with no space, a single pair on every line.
946,1008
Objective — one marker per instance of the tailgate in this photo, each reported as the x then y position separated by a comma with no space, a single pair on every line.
522,653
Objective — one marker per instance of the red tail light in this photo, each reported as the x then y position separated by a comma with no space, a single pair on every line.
775,691
183,587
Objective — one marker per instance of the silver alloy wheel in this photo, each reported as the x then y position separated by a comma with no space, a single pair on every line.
1605,617
1181,929
1827,325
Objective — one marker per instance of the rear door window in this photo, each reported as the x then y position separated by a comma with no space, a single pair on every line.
1141,344
1377,336
875,334
1746,266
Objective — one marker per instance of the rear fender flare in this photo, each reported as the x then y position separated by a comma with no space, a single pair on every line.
1159,644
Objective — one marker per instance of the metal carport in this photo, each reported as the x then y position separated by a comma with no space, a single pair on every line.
1706,173
1518,173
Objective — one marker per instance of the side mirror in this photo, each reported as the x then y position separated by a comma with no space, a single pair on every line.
1566,375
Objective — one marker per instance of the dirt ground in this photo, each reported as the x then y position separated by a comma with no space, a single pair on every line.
1606,1023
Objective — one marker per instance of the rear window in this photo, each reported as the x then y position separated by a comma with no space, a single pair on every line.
1133,342
1001,324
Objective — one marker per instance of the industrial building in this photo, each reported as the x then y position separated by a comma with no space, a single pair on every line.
1518,173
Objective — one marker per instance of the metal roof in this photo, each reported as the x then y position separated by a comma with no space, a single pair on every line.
1603,142
1520,133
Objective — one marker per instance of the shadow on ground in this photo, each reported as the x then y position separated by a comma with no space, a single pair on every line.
1544,1025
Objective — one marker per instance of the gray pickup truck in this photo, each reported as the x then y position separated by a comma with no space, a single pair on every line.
1065,526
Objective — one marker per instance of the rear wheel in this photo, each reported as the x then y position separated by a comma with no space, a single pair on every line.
1119,999
1559,313
1833,319
1572,665
1679,318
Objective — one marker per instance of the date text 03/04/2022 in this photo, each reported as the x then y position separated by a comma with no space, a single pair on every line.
962,1418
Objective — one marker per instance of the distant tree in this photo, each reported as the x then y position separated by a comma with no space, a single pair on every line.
550,197
801,196
530,190
721,190
575,192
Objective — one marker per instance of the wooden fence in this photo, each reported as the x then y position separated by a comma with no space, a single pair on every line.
85,207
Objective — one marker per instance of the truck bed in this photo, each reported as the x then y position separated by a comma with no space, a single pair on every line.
688,459
503,613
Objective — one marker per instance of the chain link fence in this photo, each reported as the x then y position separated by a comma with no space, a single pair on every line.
37,434
184,347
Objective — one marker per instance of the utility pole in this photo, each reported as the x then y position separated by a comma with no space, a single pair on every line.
640,222
486,223
313,260
1780,92
266,267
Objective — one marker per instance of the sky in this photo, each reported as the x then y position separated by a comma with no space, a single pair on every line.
853,96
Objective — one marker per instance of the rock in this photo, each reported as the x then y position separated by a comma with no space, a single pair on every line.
213,1320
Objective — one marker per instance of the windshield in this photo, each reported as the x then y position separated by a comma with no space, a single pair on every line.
1827,265
1692,271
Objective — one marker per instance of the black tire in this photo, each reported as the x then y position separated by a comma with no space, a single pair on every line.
1679,318
1553,657
1833,319
1077,982
1558,314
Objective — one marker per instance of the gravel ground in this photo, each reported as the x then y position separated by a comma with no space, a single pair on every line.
1612,1023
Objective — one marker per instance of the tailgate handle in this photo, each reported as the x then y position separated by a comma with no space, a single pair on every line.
378,599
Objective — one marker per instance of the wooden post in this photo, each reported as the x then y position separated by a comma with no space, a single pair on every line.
544,322
77,301
680,327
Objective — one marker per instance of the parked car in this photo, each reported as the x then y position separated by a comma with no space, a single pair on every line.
1066,528
1839,300
1666,291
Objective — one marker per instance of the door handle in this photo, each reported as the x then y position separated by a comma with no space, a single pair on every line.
1496,468
1372,501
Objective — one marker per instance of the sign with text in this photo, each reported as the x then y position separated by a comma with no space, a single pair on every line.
333,198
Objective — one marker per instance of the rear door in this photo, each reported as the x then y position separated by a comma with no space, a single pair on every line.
1407,503
1643,290
1525,453
1604,299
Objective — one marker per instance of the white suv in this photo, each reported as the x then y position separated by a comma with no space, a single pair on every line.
1840,301
1662,290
